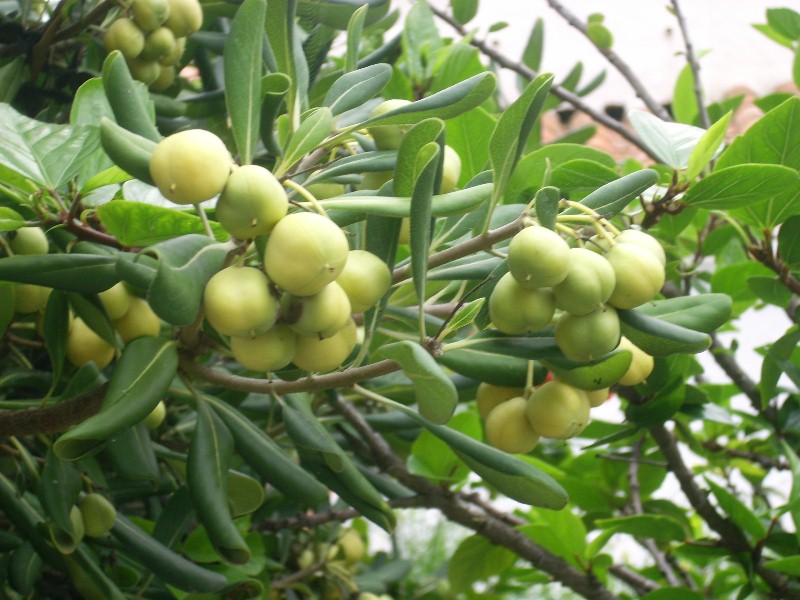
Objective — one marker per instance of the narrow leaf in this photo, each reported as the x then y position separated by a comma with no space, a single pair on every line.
707,147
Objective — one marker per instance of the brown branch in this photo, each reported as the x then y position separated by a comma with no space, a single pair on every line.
764,461
694,65
639,583
53,418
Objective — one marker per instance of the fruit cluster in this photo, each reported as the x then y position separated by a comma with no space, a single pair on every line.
153,37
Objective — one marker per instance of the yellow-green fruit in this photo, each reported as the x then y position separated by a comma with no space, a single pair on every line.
125,36
514,309
185,17
507,427
352,546
488,396
639,275
158,44
405,231
588,284
323,314
643,240
557,410
238,302
387,137
451,170
28,240
269,351
165,78
78,526
140,320
30,298
304,253
318,355
98,514
116,300
588,337
85,346
190,166
365,279
156,416
149,14
597,397
325,190
146,71
641,364
374,180
177,53
538,257
252,202
368,596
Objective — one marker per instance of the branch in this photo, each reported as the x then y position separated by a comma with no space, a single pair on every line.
612,57
694,65
764,461
639,583
556,90
728,363
316,519
53,418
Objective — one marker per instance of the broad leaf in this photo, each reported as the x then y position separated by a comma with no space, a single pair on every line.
671,143
745,185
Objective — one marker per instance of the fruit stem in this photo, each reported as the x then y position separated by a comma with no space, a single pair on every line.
587,211
307,195
529,378
204,218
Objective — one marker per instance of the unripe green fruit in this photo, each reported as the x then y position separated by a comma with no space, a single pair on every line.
322,314
557,410
269,351
639,275
30,298
451,170
588,337
238,302
146,71
374,180
85,346
588,284
643,240
387,137
165,78
78,526
641,364
507,427
318,355
488,396
125,36
177,53
185,17
368,596
365,279
158,44
116,300
140,320
325,190
190,166
252,202
513,309
150,14
29,240
156,416
597,397
304,253
538,257
352,546
98,514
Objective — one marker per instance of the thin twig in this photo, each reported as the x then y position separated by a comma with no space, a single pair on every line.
694,65
639,583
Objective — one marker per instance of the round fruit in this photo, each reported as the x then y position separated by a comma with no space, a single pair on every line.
488,396
588,337
514,309
324,313
557,410
176,54
639,275
325,190
538,257
238,302
352,546
85,346
140,320
98,514
598,397
252,202
316,355
185,17
451,170
641,364
588,284
304,253
156,416
388,137
149,14
30,298
146,71
190,166
374,180
165,78
365,279
269,351
507,427
643,240
78,526
116,300
29,240
125,36
158,44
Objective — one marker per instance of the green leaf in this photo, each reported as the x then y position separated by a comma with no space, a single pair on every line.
315,126
56,331
577,177
789,241
658,337
128,98
596,375
490,367
532,55
12,76
684,100
707,147
789,565
288,53
426,166
701,312
468,135
600,35
6,305
464,317
616,195
61,485
130,152
210,455
10,220
132,456
742,516
141,378
432,458
561,533
785,21
436,394
770,290
420,39
657,527
353,89
242,61
453,64
671,143
673,593
794,492
744,185
476,559
776,361
354,29
546,205
88,577
85,273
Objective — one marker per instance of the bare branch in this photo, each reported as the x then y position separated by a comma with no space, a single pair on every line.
694,65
